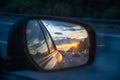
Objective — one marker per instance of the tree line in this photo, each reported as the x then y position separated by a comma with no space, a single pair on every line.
71,8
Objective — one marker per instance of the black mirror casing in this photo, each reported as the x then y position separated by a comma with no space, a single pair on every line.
17,45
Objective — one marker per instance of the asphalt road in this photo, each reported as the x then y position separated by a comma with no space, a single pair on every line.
70,61
106,65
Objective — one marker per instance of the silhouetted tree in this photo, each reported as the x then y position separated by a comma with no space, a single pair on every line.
72,8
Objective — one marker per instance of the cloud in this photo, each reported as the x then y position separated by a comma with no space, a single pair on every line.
65,40
59,23
71,29
58,33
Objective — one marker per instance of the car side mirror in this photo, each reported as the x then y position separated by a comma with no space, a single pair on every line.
51,43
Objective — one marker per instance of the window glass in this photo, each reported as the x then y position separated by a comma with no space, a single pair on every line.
49,40
36,41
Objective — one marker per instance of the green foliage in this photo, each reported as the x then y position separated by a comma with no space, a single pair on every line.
73,8
62,9
112,12
22,6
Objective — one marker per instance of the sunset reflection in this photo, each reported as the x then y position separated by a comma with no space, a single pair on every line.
67,36
66,47
71,41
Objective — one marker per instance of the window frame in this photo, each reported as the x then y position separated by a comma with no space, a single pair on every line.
47,32
40,40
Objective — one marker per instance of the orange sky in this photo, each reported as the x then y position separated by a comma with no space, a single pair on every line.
66,47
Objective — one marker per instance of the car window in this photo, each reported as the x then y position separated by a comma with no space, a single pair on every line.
36,41
49,40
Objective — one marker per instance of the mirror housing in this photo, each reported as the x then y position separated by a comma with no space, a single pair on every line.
20,54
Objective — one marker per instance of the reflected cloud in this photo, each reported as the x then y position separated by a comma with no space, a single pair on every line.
65,40
58,33
58,23
71,29
60,29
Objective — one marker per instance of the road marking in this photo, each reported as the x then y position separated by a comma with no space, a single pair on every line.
110,35
8,23
3,42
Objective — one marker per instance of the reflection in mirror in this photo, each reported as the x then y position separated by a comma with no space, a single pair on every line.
71,41
57,45
36,43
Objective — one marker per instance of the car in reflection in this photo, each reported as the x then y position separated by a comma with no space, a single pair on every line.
62,52
76,53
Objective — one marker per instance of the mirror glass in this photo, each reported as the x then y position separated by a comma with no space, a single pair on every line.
56,44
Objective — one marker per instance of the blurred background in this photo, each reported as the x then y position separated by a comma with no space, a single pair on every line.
101,9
